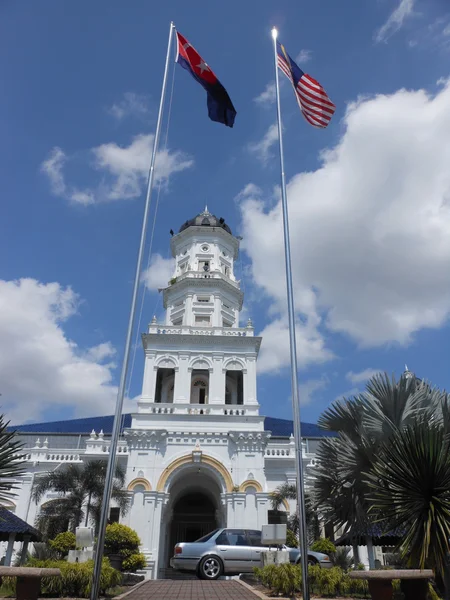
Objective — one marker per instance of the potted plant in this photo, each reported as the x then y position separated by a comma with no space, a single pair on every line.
121,542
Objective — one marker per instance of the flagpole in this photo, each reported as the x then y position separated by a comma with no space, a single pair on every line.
303,543
123,377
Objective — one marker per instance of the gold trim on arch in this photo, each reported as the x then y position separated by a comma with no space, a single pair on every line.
286,505
187,459
250,483
139,481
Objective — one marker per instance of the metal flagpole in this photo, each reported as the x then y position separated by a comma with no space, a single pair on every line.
123,377
303,543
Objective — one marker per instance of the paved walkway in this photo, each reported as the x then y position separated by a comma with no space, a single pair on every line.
165,589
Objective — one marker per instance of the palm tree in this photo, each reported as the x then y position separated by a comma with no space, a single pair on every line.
363,423
80,494
410,485
12,463
288,491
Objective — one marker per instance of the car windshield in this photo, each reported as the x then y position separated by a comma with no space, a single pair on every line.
206,537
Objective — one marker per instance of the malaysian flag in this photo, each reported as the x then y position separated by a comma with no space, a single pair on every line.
313,100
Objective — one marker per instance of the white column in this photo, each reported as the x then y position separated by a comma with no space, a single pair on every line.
262,506
149,381
9,550
217,315
250,382
182,387
188,318
217,381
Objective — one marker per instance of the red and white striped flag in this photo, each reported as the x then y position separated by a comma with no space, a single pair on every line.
313,100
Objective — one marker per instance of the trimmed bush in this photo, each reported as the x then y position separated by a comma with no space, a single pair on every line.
323,545
75,580
286,580
63,542
121,539
134,562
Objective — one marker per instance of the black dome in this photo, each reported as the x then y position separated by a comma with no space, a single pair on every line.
206,219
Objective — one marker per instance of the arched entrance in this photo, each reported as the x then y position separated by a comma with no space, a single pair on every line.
194,507
194,515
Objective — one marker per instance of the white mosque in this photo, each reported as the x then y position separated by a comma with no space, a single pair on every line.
197,452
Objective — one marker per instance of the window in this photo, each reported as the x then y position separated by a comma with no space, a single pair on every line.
227,323
202,320
254,537
206,537
202,298
232,537
203,265
205,248
177,322
114,514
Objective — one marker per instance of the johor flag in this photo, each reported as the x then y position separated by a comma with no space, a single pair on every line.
313,100
220,107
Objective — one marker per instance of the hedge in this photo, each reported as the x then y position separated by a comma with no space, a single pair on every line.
75,580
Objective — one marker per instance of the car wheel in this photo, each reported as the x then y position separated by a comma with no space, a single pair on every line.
210,568
312,562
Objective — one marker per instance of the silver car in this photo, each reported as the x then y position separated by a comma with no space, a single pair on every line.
230,551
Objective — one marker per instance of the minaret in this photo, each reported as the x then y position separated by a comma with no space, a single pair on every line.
200,361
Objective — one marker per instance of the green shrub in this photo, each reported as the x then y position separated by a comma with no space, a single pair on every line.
75,580
63,542
134,562
120,539
323,545
343,559
283,579
287,579
291,539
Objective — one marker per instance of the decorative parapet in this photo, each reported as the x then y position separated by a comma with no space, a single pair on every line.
154,328
142,439
250,440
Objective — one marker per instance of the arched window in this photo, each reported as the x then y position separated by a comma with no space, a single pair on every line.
199,388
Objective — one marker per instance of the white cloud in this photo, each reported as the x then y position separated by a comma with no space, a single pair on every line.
53,167
274,353
370,228
159,272
262,149
395,21
128,166
41,368
131,105
361,376
124,170
308,390
303,56
268,96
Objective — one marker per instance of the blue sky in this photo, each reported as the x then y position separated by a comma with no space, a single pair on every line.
369,195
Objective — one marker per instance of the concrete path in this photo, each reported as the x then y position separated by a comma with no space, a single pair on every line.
165,589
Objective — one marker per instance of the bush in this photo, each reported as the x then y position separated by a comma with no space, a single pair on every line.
63,542
323,545
122,540
75,580
343,559
134,562
291,539
287,579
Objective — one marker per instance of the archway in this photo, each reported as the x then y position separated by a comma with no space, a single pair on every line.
194,507
194,515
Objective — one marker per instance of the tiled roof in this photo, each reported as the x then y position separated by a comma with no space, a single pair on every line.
278,427
11,523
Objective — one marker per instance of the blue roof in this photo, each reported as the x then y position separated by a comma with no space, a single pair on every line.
278,427
11,523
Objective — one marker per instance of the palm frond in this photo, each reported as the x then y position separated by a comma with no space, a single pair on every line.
410,484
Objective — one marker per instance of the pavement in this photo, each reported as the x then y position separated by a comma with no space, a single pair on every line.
166,589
